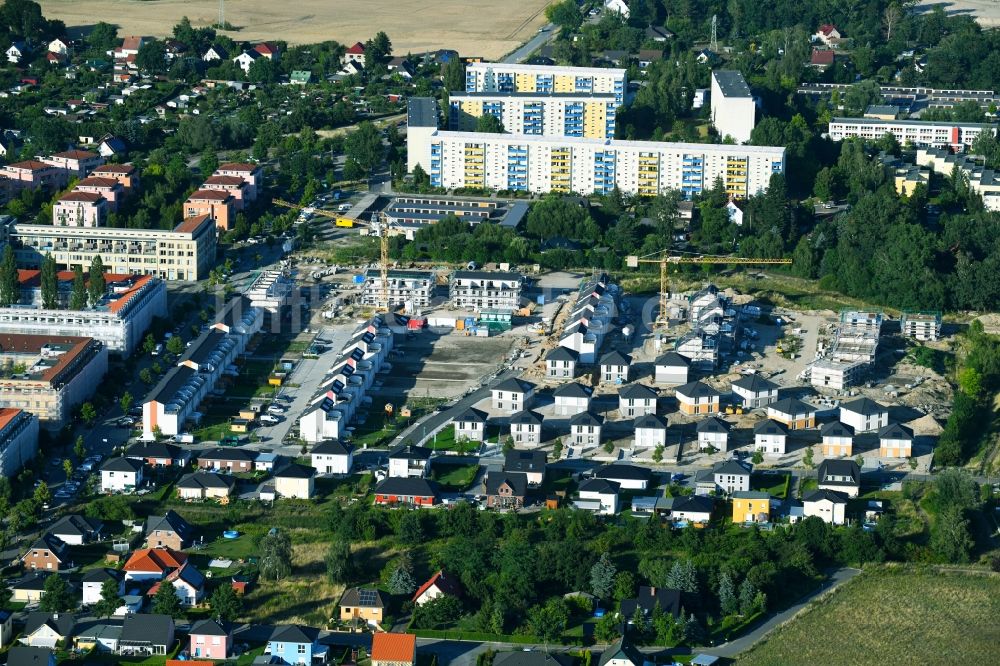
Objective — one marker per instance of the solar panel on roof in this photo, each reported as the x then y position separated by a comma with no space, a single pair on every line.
366,597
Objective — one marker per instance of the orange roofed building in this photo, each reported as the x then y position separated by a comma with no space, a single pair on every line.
394,649
126,174
219,204
153,563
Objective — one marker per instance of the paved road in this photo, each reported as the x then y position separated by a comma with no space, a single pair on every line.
548,32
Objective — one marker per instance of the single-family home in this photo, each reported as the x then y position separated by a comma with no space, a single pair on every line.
585,429
697,398
667,599
30,588
470,425
295,481
215,52
16,51
560,363
355,53
246,60
24,655
671,368
599,496
47,630
754,391
393,649
895,441
656,33
47,553
827,505
210,639
121,475
153,563
146,635
402,66
713,432
59,45
572,398
793,413
362,603
837,439
751,506
636,400
268,50
822,58
93,583
621,8
615,367
188,582
844,476
732,476
770,436
6,628
99,637
159,454
530,463
439,585
352,68
296,644
692,508
526,428
628,477
864,415
506,490
650,431
168,531
333,457
734,211
267,461
414,490
409,460
111,146
512,395
827,34
622,652
205,485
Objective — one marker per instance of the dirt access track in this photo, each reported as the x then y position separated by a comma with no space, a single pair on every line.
486,28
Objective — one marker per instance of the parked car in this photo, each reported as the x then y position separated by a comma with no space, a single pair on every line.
269,418
276,410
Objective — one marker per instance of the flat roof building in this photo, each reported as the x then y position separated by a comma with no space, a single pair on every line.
554,114
413,289
545,79
481,290
733,108
18,440
920,133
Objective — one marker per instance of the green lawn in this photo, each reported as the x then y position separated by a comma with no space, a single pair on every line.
445,441
808,485
774,484
454,477
234,549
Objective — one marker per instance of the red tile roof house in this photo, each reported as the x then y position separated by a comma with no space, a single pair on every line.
394,649
130,46
78,163
109,188
217,203
80,209
822,58
235,185
125,174
439,585
153,563
251,173
268,50
355,53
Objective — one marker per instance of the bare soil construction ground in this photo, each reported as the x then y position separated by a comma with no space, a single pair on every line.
472,27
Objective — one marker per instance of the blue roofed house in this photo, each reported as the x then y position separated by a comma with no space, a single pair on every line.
296,644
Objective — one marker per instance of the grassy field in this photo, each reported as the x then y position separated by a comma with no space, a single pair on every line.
893,615
454,477
472,27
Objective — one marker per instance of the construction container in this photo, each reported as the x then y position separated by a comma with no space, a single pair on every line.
483,332
358,279
460,324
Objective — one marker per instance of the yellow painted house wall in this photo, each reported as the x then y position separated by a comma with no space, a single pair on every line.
746,510
595,120
525,82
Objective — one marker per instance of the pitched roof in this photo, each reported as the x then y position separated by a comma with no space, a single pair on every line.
526,417
75,525
365,597
294,633
713,424
637,392
693,504
822,57
755,384
168,522
408,486
471,415
836,429
622,649
393,647
235,454
410,452
155,559
210,195
697,389
864,406
333,447
525,461
751,494
770,427
561,353
160,450
61,623
732,467
48,542
188,573
650,422
88,197
25,655
147,628
76,155
792,407
206,480
833,467
624,471
514,384
615,357
101,574
895,431
603,486
648,598
518,482
531,658
573,390
121,465
586,419
210,628
357,48
673,359
824,494
446,584
295,471
97,181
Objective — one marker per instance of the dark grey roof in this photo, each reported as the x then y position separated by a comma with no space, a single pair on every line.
531,658
147,628
616,358
823,494
121,465
206,480
624,471
526,417
573,390
755,384
61,623
297,633
668,599
621,649
865,407
732,83
792,406
637,392
102,574
333,447
713,424
834,467
154,450
471,415
203,347
232,312
366,597
210,628
732,467
231,453
175,379
525,461
650,421
895,431
50,542
693,503
409,486
770,427
421,112
23,655
836,429
76,525
673,359
599,486
295,471
562,354
171,521
518,482
411,452
586,419
514,384
697,390
33,581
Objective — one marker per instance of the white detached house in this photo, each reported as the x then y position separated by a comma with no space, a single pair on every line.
470,424
245,60
636,400
512,395
121,475
650,431
526,428
572,399
332,457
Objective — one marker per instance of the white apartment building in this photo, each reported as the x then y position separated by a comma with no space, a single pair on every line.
413,289
185,253
920,133
490,290
270,290
18,440
984,182
119,321
540,164
499,77
540,114
340,395
175,399
923,326
733,108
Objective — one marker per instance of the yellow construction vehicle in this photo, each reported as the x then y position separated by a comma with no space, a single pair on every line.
664,260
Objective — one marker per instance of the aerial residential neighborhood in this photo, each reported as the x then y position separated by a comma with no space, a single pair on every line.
640,332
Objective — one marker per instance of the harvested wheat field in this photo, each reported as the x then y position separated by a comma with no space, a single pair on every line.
484,28
893,615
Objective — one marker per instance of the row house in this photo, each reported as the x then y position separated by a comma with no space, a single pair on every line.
590,318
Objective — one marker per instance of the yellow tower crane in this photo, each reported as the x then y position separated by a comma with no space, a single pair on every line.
380,227
665,261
